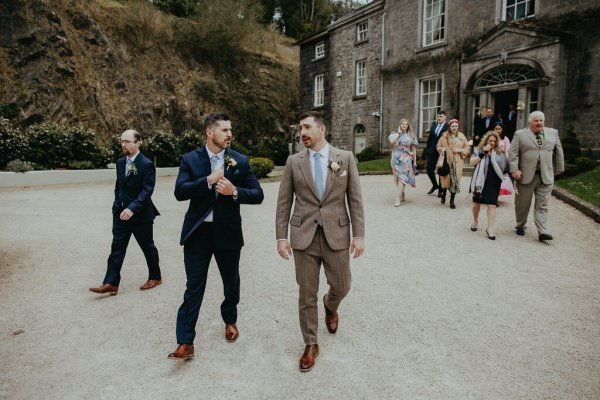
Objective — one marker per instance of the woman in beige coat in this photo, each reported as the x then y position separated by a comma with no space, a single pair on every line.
457,148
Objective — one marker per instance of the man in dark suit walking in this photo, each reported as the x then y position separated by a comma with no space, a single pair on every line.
133,213
435,132
216,180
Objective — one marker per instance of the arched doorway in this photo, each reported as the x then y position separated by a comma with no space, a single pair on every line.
510,89
360,138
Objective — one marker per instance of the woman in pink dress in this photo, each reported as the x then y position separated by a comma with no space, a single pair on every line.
506,188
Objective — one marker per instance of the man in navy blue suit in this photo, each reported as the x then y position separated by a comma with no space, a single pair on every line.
133,213
435,132
216,180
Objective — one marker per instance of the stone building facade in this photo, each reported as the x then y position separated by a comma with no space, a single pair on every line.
460,55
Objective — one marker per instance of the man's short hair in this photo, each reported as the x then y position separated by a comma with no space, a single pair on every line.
211,120
317,115
136,134
536,114
441,112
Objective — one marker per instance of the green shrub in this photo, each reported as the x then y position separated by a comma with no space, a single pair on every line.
585,163
85,147
261,166
13,144
49,146
369,153
81,165
8,111
190,140
19,166
570,170
276,148
163,149
571,145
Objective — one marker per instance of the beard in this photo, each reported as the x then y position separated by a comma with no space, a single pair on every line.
125,151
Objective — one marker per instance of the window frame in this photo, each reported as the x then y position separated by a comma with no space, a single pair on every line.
438,95
320,46
362,32
425,20
319,93
529,5
357,78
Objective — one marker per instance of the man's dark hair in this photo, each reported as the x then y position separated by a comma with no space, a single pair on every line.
441,112
211,119
317,115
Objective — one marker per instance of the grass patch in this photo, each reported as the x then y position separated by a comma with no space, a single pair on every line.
585,186
379,165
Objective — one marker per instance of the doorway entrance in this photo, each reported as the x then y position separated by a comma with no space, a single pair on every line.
502,101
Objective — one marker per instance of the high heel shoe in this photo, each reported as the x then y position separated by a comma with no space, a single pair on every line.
473,227
491,237
443,196
452,205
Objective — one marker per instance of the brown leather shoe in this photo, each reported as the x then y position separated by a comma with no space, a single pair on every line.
331,320
231,333
105,288
183,352
150,284
307,361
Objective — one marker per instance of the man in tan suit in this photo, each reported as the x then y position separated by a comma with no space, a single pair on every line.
321,179
536,156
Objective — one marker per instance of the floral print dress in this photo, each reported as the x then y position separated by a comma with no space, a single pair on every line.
402,164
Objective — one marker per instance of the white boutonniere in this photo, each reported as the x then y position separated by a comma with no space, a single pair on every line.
229,162
334,166
131,169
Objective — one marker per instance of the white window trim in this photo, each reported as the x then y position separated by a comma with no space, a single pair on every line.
419,84
357,78
504,5
364,31
424,25
319,55
319,91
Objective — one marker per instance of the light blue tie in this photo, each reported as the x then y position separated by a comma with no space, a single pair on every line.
213,165
319,175
129,161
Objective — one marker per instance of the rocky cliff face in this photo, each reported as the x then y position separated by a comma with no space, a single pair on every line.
62,61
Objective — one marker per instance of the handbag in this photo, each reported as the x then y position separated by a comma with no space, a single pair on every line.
443,168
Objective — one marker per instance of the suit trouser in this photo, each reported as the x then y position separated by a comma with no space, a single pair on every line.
336,264
542,193
430,167
197,253
144,235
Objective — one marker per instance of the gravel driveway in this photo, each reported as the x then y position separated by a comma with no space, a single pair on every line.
435,311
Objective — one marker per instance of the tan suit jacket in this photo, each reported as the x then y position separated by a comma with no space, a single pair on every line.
524,153
342,187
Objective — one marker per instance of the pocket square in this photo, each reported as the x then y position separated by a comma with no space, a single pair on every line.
343,173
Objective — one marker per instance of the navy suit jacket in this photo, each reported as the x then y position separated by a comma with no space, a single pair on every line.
134,191
192,185
431,148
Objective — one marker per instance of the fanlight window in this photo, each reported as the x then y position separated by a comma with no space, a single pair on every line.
506,74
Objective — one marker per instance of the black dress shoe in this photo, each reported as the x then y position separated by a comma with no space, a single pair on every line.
545,236
520,231
433,189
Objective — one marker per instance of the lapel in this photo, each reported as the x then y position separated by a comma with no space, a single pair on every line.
204,161
334,155
227,171
306,171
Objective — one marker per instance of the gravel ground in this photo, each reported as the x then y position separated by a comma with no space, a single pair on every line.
436,311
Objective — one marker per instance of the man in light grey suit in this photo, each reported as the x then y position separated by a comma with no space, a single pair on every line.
536,156
321,180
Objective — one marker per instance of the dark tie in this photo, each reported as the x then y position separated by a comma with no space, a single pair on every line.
319,175
538,138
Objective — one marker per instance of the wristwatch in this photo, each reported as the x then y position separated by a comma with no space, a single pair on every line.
235,194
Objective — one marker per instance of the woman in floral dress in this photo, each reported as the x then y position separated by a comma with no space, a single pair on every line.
403,158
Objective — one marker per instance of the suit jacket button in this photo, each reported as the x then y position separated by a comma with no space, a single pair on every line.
316,221
320,206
